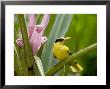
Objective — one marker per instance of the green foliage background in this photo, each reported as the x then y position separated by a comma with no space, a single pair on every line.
82,28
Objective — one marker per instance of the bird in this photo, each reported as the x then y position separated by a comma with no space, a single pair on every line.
61,52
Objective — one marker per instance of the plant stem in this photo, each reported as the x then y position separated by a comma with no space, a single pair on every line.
27,47
59,65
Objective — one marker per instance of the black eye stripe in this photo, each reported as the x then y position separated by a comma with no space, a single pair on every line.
59,40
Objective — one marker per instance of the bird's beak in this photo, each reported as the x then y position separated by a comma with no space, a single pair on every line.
67,38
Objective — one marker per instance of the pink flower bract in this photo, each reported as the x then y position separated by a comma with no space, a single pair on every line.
35,33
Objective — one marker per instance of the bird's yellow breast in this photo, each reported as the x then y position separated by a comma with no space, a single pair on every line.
60,51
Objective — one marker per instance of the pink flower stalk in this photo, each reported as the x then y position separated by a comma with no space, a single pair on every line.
35,33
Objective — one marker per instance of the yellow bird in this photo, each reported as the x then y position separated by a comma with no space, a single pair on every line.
61,51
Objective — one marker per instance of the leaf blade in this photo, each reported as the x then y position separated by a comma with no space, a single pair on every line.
28,50
39,64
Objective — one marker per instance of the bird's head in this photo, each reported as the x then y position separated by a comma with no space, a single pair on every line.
62,39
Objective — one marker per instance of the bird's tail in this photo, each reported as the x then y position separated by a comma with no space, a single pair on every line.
75,67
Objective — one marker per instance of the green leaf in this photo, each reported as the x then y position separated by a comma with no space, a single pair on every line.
39,64
20,61
50,24
16,27
23,62
59,28
17,63
39,18
28,50
65,25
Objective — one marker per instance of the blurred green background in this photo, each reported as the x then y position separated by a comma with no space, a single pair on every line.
82,28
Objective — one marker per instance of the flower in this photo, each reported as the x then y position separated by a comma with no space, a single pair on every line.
35,33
